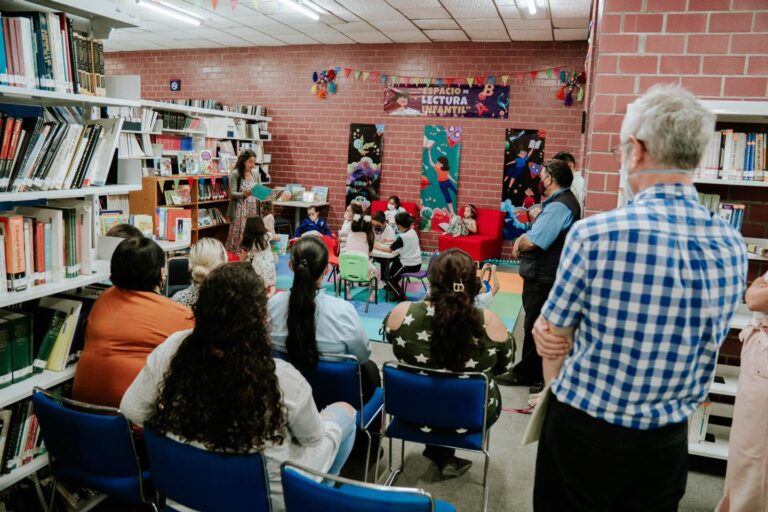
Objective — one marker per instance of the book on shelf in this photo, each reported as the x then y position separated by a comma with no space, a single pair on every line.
251,110
210,190
6,367
210,217
165,221
12,226
321,193
20,325
184,192
733,155
184,229
110,218
188,162
59,355
760,249
143,223
179,121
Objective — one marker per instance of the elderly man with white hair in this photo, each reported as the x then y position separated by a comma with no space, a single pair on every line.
643,299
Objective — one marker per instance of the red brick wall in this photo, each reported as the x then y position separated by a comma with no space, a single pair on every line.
715,48
310,136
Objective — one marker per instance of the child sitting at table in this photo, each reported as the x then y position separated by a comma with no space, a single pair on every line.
313,222
360,240
382,231
408,254
393,208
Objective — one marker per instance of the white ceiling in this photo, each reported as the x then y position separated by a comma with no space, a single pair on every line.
272,23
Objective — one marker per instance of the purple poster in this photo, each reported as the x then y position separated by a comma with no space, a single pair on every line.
485,101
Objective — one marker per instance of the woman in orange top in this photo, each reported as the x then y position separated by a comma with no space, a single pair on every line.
126,323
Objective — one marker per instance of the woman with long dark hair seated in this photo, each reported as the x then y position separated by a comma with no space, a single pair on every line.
446,330
126,323
306,322
217,386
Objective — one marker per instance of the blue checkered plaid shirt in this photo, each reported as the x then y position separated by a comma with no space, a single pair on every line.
651,290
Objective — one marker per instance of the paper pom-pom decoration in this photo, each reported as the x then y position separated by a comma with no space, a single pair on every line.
572,84
324,83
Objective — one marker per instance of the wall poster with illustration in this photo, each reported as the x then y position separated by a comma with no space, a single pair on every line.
520,196
439,176
364,163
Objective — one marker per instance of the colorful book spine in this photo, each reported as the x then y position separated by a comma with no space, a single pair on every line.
13,229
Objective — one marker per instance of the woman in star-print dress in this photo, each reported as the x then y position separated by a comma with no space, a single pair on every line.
447,331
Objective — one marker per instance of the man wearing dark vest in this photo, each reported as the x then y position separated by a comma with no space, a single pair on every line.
539,251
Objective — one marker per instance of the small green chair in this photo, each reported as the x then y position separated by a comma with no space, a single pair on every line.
353,268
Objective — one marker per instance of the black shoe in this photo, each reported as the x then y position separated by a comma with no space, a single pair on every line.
536,388
512,379
454,467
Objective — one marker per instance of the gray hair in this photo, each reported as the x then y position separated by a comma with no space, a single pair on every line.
204,256
673,125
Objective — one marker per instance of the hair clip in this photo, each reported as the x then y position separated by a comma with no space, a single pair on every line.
356,217
367,218
458,287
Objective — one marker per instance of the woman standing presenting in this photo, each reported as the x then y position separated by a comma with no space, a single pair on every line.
241,203
746,479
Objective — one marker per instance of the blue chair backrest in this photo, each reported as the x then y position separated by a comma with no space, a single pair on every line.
336,379
299,491
93,449
205,480
435,398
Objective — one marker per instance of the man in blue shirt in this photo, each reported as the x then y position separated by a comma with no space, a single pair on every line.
643,299
539,251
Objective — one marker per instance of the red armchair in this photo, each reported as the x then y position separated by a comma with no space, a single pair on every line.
381,206
483,245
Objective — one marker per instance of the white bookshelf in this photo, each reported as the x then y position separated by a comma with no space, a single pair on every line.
196,111
184,132
735,183
23,389
69,193
717,449
19,474
731,376
25,96
758,241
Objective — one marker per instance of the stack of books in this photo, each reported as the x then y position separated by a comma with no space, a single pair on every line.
731,212
177,121
211,190
734,155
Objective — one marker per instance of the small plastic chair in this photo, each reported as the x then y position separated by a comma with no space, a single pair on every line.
420,400
421,275
337,378
92,446
333,259
206,480
353,268
350,496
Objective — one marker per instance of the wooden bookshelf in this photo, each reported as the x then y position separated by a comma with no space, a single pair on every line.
151,196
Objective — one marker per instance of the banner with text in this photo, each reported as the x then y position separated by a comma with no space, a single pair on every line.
486,101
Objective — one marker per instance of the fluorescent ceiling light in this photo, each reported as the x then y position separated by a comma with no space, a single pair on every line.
169,10
303,10
314,7
532,6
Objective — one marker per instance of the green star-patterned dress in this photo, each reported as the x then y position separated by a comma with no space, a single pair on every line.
411,344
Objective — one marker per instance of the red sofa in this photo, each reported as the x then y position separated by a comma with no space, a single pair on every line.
483,245
380,205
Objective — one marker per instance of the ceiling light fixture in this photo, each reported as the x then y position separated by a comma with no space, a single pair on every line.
532,6
303,10
169,10
314,7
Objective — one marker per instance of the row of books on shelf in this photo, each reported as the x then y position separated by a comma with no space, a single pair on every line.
174,142
133,145
732,155
44,244
137,119
252,110
210,217
211,191
41,50
110,218
731,212
178,121
57,150
181,193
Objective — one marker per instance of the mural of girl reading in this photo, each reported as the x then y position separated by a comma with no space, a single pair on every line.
439,175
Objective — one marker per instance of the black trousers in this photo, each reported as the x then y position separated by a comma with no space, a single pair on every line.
535,294
396,270
370,378
586,464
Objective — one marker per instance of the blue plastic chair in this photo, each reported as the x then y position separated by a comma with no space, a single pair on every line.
337,379
349,495
206,480
91,446
419,400
353,268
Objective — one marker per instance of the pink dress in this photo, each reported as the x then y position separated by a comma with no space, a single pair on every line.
358,242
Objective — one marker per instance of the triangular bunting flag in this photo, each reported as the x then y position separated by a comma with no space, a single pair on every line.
470,80
393,79
504,79
313,90
374,75
214,4
427,81
549,74
406,79
347,71
449,81
439,82
176,183
479,80
457,81
534,74
337,69
233,4
557,70
384,78
357,74
492,80
365,75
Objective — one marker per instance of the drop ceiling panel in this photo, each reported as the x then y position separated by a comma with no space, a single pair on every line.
570,34
272,23
446,35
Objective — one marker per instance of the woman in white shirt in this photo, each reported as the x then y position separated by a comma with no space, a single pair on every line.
200,383
306,322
